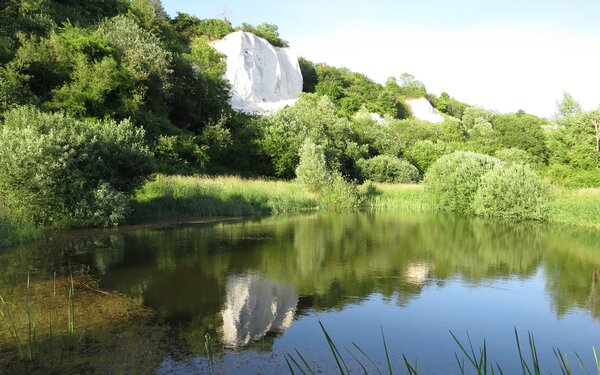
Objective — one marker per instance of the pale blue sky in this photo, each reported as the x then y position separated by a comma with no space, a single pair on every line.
504,55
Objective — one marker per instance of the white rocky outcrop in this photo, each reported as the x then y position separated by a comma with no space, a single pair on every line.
423,110
264,78
253,307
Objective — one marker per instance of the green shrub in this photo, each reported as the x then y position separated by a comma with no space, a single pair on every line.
339,194
386,168
312,169
512,192
566,176
454,179
424,153
514,155
58,171
179,154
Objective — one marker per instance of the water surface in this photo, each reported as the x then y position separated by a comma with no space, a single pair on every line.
258,288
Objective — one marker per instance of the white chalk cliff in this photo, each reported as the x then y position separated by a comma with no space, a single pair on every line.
423,110
264,78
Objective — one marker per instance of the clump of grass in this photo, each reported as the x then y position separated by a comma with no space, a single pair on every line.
181,196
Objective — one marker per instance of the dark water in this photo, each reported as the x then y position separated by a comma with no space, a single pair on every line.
260,287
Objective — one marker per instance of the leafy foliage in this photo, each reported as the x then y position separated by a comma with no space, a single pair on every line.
191,27
349,91
385,168
454,179
424,153
512,192
312,117
514,155
265,30
312,170
522,131
55,170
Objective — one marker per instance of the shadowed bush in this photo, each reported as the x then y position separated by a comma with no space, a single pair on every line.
386,168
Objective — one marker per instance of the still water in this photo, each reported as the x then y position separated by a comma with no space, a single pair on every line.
258,288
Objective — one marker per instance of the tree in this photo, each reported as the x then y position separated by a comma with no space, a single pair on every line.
567,107
522,131
312,170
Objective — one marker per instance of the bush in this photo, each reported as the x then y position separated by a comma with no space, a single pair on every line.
180,154
512,192
566,176
339,194
312,170
514,155
386,168
58,171
454,179
424,153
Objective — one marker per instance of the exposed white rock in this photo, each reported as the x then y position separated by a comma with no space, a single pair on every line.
264,78
254,307
423,110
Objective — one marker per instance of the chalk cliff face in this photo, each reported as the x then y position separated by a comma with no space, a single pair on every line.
264,78
423,110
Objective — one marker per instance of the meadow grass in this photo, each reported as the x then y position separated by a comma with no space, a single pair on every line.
181,196
576,206
400,197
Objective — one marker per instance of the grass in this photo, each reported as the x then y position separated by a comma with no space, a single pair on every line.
400,197
168,197
468,359
12,233
179,196
576,206
567,206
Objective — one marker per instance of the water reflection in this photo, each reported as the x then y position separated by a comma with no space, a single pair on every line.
244,280
254,307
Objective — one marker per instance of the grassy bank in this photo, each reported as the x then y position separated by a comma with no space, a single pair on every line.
179,196
168,197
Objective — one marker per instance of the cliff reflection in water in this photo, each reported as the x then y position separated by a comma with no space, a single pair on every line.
254,307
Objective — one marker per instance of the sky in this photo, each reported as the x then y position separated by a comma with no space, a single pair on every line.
504,55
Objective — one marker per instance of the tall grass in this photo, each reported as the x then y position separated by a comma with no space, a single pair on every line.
179,196
576,206
12,233
400,197
468,359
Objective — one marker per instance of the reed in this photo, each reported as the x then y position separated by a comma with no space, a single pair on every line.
469,360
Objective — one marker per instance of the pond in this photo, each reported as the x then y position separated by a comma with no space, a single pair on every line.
258,288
